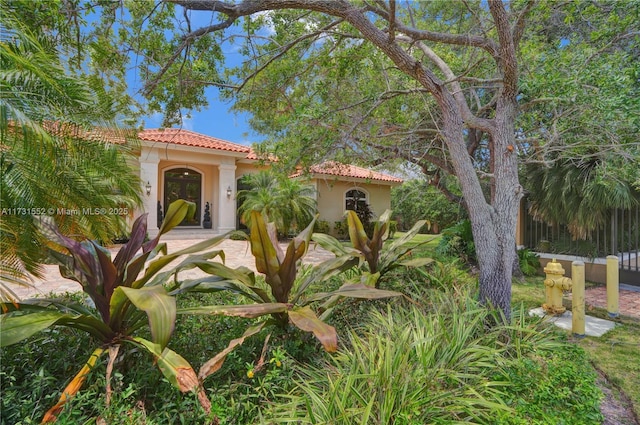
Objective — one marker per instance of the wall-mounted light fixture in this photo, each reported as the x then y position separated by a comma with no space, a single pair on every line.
229,192
148,188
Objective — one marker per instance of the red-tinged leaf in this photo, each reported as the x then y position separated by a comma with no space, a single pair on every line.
305,319
262,247
177,370
215,363
250,311
108,271
73,387
289,267
358,236
129,250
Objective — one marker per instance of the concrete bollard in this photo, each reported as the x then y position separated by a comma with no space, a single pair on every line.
577,299
613,286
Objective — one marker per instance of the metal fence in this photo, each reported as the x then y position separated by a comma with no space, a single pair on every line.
619,236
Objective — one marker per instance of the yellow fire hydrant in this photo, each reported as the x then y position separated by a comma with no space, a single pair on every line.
555,284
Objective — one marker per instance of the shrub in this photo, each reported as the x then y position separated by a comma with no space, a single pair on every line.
341,230
457,241
321,226
529,262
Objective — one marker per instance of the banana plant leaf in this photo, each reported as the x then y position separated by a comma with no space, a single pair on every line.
17,326
159,306
305,319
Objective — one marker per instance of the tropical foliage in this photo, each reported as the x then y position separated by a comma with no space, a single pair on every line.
378,257
416,200
284,299
124,303
579,194
289,203
59,147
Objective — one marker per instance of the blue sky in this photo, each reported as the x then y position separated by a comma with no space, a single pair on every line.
216,120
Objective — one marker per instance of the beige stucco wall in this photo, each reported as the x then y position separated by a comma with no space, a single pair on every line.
331,194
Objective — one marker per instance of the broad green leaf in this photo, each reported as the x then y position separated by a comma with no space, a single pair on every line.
305,319
215,363
331,244
324,271
73,387
250,310
17,326
176,369
160,308
176,212
397,243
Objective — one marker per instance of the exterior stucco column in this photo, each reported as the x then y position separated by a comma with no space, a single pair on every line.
149,173
226,204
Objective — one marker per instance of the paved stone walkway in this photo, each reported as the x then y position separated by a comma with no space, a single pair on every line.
238,253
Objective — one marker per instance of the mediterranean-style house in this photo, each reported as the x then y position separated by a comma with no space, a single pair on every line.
181,164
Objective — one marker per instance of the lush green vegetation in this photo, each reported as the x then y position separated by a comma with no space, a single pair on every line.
389,349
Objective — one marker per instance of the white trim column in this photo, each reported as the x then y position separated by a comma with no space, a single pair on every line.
226,204
149,160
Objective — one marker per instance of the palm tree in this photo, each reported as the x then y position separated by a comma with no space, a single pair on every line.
60,154
286,202
297,202
579,194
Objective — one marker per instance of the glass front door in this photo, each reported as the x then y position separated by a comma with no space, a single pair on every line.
183,183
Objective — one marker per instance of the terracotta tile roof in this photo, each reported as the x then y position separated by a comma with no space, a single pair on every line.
178,136
350,171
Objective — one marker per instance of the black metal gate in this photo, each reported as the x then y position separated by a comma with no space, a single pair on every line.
627,232
619,236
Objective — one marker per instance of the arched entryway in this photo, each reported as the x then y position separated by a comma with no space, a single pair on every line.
184,183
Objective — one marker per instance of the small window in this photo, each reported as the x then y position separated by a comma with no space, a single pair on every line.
355,200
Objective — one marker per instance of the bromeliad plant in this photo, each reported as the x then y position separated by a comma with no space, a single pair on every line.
124,303
379,258
285,300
